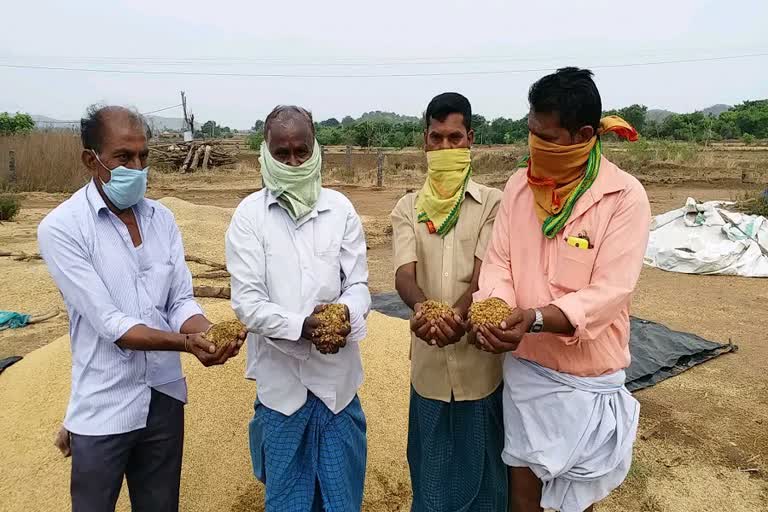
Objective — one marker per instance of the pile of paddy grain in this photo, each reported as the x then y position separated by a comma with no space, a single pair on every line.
217,472
203,228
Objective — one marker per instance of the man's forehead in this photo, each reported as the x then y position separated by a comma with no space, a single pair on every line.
454,121
123,135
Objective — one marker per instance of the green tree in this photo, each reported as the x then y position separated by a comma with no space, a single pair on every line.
633,114
330,123
17,123
258,126
327,136
347,121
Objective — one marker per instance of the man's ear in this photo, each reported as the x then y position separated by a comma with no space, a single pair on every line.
90,162
471,137
584,134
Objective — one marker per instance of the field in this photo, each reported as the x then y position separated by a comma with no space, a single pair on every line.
702,444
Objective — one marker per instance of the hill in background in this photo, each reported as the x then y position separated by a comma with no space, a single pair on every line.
156,123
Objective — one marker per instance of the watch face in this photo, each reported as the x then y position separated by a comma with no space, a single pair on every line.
537,327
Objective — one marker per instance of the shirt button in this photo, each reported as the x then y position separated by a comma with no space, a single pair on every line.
445,275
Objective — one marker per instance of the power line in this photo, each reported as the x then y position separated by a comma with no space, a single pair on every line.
78,121
336,61
370,75
160,110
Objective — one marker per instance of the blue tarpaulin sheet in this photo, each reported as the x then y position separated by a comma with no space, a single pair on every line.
11,320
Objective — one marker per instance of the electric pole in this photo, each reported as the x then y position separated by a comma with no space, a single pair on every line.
184,106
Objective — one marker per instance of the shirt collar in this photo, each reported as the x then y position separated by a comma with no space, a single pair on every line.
473,189
143,207
323,203
607,182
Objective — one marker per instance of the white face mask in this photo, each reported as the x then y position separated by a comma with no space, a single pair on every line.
126,187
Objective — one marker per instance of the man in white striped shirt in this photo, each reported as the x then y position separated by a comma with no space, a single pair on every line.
118,260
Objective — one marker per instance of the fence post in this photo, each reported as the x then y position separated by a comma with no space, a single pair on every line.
12,168
322,159
349,159
380,169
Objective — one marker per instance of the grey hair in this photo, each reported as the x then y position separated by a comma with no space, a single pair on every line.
285,114
92,125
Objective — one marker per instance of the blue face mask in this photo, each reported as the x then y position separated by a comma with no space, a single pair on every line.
126,187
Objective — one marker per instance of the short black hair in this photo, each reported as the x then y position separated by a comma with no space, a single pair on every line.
571,93
92,125
288,111
448,103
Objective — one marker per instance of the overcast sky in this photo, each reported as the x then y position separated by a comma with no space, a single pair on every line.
394,37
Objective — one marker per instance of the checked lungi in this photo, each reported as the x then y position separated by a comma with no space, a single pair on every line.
454,454
312,460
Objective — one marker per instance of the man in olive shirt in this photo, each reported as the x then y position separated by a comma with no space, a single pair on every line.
456,430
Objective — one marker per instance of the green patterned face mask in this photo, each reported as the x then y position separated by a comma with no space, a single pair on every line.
296,188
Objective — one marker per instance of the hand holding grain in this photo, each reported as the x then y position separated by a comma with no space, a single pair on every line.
420,326
328,327
206,351
507,336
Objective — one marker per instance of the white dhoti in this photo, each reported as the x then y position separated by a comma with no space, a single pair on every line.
575,433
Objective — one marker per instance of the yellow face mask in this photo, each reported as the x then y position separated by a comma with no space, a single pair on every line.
440,198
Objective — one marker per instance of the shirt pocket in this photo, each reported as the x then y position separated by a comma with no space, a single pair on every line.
464,258
327,263
573,269
157,278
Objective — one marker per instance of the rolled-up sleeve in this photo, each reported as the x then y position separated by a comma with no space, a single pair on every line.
354,269
246,264
496,271
79,284
616,270
181,299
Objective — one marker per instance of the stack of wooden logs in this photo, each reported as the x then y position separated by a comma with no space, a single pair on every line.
190,156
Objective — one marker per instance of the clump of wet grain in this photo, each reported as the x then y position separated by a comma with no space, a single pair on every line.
223,333
333,319
489,312
435,310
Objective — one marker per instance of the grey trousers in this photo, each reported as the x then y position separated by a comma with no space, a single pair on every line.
149,458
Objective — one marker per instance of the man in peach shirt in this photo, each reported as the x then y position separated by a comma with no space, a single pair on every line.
566,253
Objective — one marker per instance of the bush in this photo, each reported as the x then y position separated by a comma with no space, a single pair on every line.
255,140
748,139
9,207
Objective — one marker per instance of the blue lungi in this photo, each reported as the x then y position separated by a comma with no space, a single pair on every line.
313,460
454,454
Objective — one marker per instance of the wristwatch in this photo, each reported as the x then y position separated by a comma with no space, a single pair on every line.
538,323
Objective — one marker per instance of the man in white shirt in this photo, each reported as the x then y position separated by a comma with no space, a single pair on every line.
292,247
118,260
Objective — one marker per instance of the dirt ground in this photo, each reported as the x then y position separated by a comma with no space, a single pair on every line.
703,441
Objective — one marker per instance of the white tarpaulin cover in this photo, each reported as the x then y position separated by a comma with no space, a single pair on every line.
706,238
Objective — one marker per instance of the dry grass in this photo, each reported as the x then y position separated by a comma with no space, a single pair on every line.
754,203
45,161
